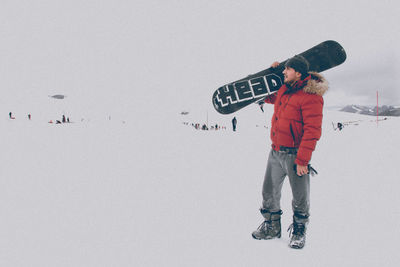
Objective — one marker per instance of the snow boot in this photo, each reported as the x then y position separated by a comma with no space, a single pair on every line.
297,232
271,227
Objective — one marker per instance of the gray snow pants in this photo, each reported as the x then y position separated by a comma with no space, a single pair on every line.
280,164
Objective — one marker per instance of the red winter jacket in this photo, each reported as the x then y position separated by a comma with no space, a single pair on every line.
297,116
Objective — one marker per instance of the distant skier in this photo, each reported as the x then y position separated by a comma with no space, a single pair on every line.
234,123
11,116
295,130
29,116
340,126
63,119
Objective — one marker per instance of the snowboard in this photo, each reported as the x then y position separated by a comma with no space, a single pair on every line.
254,88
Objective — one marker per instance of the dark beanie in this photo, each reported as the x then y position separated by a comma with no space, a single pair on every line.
299,64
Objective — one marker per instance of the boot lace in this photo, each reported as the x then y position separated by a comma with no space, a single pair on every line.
265,226
296,229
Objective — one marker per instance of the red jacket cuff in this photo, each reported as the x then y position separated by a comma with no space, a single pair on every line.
301,162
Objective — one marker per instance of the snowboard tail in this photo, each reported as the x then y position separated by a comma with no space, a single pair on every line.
254,88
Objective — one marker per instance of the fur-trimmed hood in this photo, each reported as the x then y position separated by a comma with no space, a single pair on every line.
316,85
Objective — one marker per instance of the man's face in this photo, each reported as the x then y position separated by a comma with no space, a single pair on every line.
290,75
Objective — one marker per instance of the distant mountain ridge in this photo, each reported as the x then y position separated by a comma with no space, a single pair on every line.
368,110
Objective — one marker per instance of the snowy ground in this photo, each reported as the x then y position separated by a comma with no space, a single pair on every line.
159,193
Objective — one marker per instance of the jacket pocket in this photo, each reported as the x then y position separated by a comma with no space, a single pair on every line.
292,133
296,129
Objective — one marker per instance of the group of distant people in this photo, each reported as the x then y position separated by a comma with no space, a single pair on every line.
204,127
340,125
62,120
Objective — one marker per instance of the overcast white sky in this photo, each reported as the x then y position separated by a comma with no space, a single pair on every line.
169,55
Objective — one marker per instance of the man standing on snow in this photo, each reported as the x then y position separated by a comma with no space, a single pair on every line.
234,122
296,128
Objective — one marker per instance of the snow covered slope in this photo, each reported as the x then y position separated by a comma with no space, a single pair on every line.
156,192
